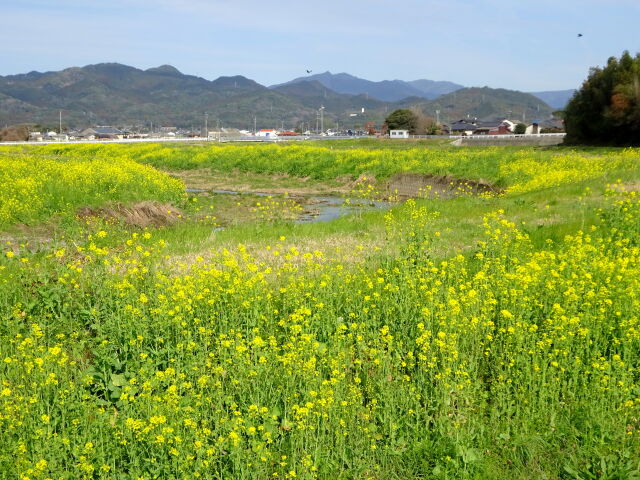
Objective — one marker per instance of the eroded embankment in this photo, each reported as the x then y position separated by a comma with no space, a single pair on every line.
409,185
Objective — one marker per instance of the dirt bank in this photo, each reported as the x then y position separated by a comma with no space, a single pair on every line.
407,185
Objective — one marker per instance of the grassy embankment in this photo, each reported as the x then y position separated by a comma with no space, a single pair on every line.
528,175
454,345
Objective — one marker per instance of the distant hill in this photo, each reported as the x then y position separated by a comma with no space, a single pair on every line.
556,99
313,94
386,90
434,89
112,93
119,95
483,103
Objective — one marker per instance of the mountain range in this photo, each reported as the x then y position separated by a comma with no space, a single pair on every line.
115,94
386,90
397,90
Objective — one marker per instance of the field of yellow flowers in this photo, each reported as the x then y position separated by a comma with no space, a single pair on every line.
521,169
510,359
36,187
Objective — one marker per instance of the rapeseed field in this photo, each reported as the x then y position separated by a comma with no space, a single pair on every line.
511,358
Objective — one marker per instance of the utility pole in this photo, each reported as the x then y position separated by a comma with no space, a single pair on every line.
60,129
255,129
321,118
206,127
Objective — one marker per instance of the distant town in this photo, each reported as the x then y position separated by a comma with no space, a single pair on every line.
461,127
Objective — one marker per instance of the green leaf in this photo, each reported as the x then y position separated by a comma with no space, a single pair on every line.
118,380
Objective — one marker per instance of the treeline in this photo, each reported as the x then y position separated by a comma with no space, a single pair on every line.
606,110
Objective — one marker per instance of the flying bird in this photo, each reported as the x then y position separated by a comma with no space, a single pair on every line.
579,35
309,71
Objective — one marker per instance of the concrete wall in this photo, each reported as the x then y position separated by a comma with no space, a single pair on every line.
542,140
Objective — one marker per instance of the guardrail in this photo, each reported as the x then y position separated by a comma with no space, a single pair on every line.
181,139
532,135
506,137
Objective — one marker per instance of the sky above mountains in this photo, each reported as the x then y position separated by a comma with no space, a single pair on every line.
530,46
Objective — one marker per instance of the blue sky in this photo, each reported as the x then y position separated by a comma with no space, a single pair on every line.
522,45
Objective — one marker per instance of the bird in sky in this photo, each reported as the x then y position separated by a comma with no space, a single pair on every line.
579,35
309,71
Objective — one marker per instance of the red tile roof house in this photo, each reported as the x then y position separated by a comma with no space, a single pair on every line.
267,132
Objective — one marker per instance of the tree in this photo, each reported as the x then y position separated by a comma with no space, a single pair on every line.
520,129
425,125
402,119
14,133
606,109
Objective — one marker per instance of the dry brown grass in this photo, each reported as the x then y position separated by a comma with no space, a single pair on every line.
141,214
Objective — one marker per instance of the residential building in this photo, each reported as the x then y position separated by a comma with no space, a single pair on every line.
464,127
399,133
102,133
267,132
498,126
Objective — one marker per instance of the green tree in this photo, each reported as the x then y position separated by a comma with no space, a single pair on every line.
520,129
402,119
606,109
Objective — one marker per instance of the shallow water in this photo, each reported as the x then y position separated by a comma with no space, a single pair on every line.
325,209
318,208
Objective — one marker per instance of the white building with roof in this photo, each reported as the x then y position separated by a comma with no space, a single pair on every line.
399,133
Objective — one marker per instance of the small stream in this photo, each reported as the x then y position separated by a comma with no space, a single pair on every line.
317,208
327,208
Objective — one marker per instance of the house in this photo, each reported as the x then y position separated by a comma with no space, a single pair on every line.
498,126
102,132
533,129
56,137
464,127
399,133
267,132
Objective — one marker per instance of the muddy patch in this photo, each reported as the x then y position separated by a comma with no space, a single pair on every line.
142,214
410,185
